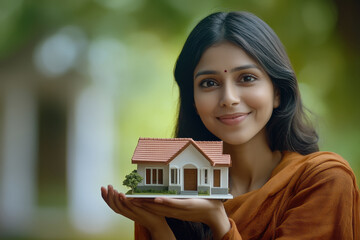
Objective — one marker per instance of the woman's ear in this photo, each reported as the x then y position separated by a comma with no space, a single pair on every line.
276,98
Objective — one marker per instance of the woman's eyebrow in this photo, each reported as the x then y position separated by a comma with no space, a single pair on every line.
244,67
207,72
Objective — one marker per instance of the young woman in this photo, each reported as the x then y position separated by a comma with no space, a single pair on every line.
237,85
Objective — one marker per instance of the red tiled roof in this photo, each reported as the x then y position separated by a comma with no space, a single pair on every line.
164,150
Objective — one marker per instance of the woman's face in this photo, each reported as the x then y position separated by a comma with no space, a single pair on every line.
234,96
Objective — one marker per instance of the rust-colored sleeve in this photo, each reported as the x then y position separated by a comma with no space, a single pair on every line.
233,233
141,233
325,206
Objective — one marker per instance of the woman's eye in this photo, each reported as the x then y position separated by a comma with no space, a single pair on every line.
208,83
248,78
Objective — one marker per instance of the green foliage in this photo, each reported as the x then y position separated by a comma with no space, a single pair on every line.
132,180
136,190
204,192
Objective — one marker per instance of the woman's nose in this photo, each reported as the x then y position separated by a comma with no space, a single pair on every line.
230,96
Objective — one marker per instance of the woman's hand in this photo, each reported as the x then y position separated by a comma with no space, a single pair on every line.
156,224
210,212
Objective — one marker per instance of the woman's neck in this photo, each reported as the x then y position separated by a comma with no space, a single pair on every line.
252,164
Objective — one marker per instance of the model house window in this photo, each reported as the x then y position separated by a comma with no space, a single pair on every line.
154,176
205,176
148,176
160,176
154,171
174,176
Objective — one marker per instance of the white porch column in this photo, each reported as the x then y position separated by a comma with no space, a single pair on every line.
17,169
91,152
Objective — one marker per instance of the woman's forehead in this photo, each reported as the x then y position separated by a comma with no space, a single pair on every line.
224,57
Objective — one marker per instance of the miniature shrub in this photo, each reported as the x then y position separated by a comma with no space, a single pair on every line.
132,180
136,190
204,192
172,192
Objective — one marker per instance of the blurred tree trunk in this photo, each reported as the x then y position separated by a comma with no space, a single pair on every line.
345,96
347,89
348,24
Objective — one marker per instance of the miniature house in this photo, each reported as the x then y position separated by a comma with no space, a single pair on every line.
183,165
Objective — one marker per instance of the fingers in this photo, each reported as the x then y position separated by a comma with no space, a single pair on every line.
129,209
104,193
120,204
136,212
123,206
110,197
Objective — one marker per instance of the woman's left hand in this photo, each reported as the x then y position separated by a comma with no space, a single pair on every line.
210,212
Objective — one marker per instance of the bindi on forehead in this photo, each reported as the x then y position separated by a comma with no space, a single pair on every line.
225,70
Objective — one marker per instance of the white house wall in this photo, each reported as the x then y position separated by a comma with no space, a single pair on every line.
191,158
223,176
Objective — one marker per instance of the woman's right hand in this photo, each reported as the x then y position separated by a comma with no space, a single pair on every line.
157,225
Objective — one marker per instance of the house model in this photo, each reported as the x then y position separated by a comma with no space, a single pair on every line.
184,166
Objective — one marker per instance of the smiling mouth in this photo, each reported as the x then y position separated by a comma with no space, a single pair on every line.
232,119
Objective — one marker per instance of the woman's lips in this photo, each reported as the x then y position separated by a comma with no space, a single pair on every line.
232,119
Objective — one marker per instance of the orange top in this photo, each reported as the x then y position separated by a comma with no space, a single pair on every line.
307,197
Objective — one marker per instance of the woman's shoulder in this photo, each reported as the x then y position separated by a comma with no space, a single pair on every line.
315,159
314,155
324,166
318,164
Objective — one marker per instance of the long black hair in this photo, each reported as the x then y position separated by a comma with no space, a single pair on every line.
288,128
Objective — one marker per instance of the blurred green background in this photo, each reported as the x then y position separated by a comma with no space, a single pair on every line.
81,81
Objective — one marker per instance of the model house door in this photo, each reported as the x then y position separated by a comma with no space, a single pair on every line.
216,178
190,179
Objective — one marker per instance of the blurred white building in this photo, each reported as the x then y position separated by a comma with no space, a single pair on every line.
56,137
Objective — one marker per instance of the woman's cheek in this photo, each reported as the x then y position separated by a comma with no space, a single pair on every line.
260,98
205,103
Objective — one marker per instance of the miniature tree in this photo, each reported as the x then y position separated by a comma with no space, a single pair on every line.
132,180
